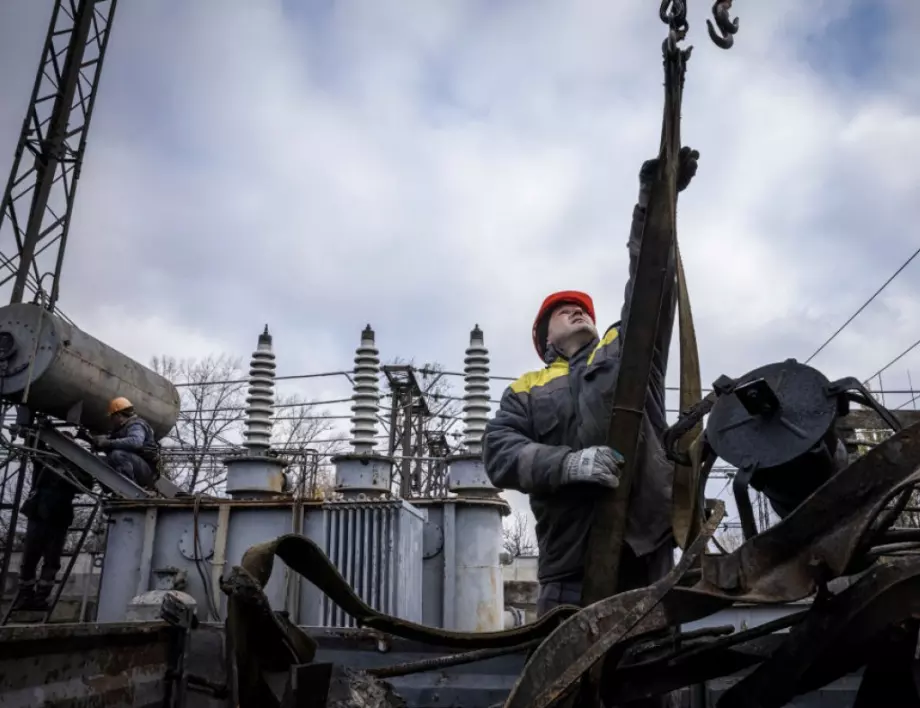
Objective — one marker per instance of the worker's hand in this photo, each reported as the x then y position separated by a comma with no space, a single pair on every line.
594,465
687,164
100,442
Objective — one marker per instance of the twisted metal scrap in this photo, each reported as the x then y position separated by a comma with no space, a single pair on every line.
582,640
837,635
823,538
833,638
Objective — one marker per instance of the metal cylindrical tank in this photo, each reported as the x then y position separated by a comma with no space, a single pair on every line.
479,594
74,376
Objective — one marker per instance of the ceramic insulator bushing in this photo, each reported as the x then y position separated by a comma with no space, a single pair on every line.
476,399
261,399
366,395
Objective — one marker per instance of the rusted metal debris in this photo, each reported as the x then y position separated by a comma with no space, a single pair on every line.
585,638
832,533
61,666
333,686
832,638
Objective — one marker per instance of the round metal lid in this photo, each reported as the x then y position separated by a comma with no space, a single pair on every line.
26,331
777,413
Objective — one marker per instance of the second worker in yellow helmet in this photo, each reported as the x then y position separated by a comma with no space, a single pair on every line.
131,448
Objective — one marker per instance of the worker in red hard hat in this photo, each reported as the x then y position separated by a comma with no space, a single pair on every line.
549,436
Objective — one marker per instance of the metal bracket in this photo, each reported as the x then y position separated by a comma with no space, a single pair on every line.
89,463
853,389
183,618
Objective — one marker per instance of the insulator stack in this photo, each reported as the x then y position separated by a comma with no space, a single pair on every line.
261,399
366,395
476,399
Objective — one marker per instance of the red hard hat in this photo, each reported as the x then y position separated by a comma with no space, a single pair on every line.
549,304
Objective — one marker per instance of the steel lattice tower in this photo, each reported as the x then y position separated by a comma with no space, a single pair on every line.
39,196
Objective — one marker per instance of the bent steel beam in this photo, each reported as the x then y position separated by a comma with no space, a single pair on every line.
92,465
582,640
820,539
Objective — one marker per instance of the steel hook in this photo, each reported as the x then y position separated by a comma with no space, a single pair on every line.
674,14
727,26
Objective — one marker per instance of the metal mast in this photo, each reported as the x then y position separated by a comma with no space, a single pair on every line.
39,196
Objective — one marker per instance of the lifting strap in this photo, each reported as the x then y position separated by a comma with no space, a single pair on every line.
640,334
686,498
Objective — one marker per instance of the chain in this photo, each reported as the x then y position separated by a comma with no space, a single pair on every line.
674,14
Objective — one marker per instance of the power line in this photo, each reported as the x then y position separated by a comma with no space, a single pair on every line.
227,382
864,306
912,400
895,361
427,372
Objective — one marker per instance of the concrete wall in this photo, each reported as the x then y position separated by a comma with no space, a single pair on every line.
521,588
522,568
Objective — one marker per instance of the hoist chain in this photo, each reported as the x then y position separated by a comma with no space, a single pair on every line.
674,14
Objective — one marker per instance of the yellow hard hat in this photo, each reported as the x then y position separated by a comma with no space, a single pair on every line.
119,404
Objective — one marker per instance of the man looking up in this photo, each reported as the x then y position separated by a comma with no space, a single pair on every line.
548,438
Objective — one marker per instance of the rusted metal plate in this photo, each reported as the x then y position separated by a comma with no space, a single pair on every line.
83,664
584,639
830,634
818,540
652,678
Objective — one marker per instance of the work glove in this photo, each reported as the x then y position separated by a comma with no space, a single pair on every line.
687,164
101,442
594,465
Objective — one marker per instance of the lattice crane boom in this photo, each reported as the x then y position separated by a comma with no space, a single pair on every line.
39,196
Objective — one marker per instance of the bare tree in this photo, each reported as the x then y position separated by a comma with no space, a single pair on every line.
298,432
516,537
212,407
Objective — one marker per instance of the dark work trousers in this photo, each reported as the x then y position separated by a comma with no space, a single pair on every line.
43,542
132,466
635,572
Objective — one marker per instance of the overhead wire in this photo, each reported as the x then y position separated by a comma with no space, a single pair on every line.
907,403
894,361
864,305
296,377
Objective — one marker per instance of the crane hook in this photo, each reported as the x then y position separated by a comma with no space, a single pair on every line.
674,14
726,25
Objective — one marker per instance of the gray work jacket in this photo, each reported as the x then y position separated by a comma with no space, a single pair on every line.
567,406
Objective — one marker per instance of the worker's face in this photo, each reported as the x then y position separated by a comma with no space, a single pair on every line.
569,321
118,420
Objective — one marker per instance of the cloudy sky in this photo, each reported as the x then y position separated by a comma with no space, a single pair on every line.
424,167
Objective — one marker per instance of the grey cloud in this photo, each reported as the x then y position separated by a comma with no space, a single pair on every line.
244,168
